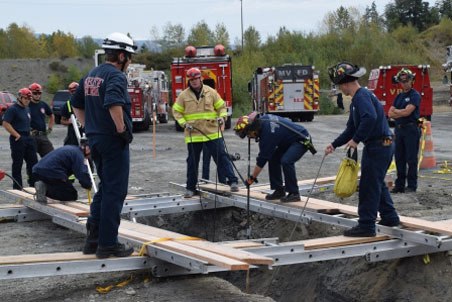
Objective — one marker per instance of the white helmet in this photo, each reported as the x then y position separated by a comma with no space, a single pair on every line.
119,41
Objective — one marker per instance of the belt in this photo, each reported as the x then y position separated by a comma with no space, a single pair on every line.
37,133
406,125
384,140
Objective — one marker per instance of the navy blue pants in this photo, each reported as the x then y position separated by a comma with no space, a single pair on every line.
23,149
206,156
406,155
283,161
58,189
374,195
219,155
112,160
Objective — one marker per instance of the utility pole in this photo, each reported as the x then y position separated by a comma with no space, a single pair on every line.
241,17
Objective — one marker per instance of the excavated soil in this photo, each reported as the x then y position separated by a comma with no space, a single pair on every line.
407,279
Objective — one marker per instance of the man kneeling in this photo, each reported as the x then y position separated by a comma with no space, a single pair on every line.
53,170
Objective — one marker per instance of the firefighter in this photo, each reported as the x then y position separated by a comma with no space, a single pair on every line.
281,143
202,111
102,105
16,121
405,113
367,124
66,112
52,173
39,110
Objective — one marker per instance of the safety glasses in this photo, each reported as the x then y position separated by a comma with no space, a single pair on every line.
37,92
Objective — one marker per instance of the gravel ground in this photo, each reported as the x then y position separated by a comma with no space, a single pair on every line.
345,280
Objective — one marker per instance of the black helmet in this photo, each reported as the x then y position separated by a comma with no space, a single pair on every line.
345,72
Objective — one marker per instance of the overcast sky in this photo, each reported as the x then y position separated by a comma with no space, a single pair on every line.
137,17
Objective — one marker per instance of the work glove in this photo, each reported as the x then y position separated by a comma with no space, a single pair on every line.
49,130
220,120
251,180
125,136
188,127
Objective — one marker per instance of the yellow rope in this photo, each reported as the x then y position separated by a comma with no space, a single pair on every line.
106,289
421,153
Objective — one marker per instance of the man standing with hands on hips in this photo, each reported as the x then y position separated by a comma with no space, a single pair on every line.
102,105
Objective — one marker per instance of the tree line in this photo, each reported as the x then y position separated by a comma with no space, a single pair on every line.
404,34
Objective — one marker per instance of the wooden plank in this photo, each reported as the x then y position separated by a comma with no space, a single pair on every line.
78,205
243,244
435,227
200,244
11,206
212,258
335,241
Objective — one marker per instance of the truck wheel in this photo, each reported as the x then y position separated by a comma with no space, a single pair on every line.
228,123
163,118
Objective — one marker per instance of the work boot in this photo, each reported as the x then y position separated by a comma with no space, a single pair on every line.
358,231
277,194
117,250
410,190
291,197
389,223
91,242
396,190
41,189
234,187
189,193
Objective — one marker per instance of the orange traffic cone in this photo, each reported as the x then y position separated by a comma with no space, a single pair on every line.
427,159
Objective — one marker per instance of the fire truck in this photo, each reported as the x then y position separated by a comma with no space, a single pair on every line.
383,84
215,66
448,68
290,90
148,91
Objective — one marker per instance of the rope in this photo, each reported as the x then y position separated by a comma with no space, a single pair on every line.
142,251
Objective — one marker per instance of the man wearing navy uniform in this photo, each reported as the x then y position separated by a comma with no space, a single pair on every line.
405,112
366,123
102,105
39,110
16,121
281,143
52,173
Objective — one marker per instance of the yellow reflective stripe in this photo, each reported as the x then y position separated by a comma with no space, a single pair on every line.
181,121
201,116
199,138
224,114
68,104
218,104
178,108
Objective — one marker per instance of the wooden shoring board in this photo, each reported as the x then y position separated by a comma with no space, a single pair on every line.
11,206
53,204
319,181
212,258
205,245
431,226
335,241
47,257
243,244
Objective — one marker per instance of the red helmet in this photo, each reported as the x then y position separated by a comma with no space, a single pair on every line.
25,92
72,87
193,73
35,87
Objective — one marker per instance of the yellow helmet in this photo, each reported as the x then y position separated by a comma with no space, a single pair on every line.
243,124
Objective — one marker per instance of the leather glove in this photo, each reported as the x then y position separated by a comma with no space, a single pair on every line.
125,136
188,127
251,180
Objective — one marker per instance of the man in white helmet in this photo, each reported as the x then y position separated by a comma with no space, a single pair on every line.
102,105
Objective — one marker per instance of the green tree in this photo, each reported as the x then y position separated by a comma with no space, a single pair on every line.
444,8
251,39
22,43
173,36
340,20
221,35
371,16
200,35
86,46
63,45
415,12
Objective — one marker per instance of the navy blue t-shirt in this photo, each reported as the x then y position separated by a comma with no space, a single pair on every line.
404,99
273,135
366,120
38,112
19,117
62,162
103,87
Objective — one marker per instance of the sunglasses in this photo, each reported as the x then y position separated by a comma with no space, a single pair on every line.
37,93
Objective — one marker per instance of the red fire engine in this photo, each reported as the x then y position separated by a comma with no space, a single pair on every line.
289,90
382,83
215,66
